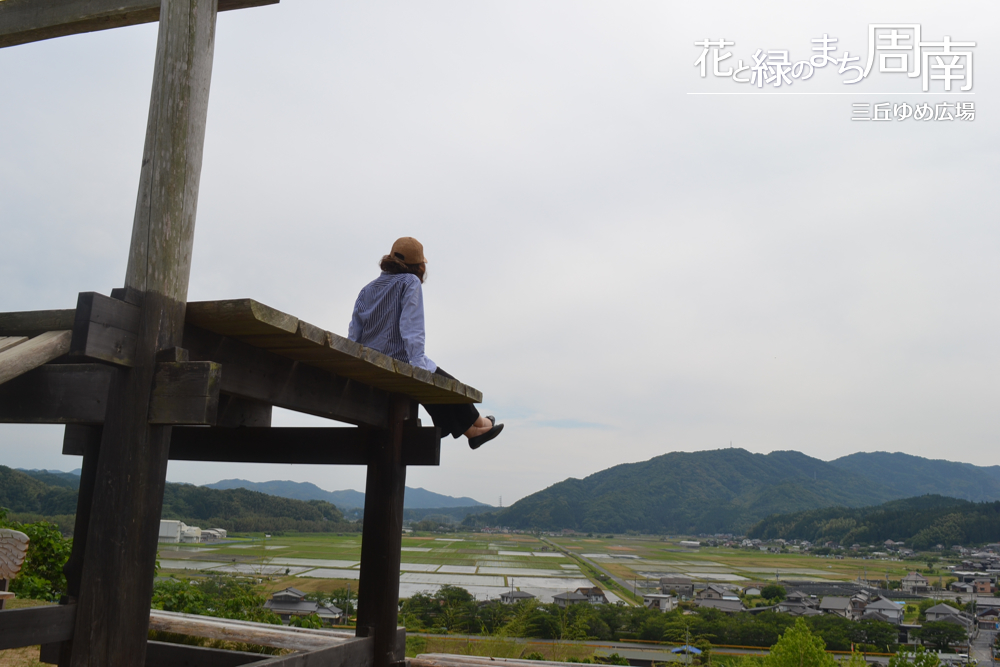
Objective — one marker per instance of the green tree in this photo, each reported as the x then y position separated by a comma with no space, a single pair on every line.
917,658
941,634
773,591
799,647
41,576
310,621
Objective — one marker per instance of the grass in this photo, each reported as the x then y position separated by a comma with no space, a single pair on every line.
496,647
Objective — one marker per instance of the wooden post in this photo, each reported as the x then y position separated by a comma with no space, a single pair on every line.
113,607
84,499
381,537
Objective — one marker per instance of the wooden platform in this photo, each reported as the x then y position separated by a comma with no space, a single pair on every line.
244,320
264,327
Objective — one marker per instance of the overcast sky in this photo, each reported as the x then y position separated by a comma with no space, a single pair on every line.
622,267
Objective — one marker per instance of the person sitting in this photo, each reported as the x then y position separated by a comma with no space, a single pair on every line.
389,317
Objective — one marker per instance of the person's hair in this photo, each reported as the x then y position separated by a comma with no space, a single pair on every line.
391,264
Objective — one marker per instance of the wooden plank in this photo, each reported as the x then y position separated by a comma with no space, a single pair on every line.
240,317
307,445
162,654
263,327
34,322
112,610
57,394
36,352
352,653
7,342
185,392
36,625
105,329
24,21
278,636
259,375
381,538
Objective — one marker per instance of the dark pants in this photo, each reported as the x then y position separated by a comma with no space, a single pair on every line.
453,418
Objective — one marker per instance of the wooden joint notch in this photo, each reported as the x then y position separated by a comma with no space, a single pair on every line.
105,329
185,392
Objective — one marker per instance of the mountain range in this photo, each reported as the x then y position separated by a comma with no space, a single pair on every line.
720,491
415,498
52,494
729,490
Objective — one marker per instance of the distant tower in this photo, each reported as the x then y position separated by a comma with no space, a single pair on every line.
501,502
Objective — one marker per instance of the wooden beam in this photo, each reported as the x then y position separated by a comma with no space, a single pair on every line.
57,394
162,654
381,538
34,322
105,329
264,327
7,342
352,653
23,21
256,374
235,411
112,618
185,393
36,352
36,625
306,445
224,629
73,568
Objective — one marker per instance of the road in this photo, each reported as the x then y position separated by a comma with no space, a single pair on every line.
981,648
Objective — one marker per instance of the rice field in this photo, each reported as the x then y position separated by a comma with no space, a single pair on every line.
487,565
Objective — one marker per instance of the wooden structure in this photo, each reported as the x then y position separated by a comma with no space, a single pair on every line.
142,376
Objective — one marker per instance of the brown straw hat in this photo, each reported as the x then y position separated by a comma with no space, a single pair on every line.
408,250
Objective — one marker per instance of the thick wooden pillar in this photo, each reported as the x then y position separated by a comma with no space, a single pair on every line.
112,617
381,537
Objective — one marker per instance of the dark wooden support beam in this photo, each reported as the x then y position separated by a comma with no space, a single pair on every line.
57,394
235,411
84,499
23,21
112,619
36,625
318,446
105,329
161,654
34,322
256,374
352,653
185,392
381,539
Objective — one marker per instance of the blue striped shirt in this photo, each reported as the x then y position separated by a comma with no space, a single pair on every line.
389,317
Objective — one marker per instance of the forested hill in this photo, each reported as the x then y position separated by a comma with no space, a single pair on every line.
415,498
725,490
729,490
921,522
234,509
907,475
